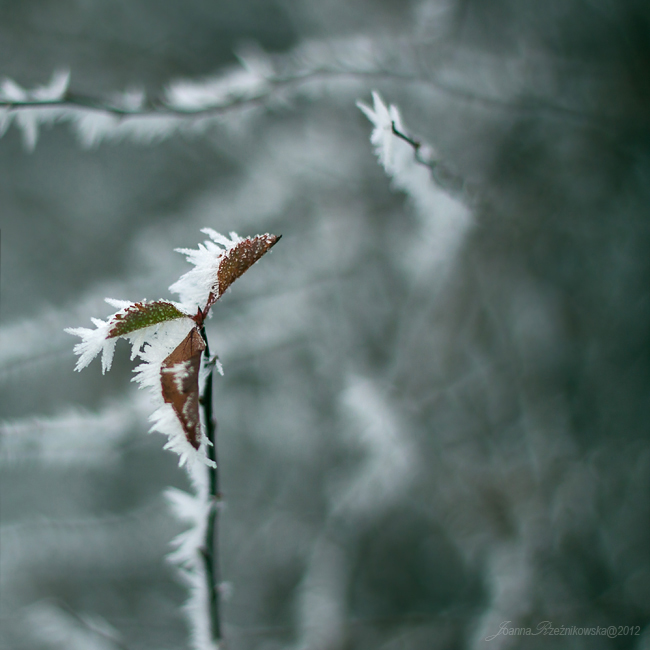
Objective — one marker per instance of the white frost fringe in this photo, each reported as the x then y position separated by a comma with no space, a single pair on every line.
195,286
153,345
188,559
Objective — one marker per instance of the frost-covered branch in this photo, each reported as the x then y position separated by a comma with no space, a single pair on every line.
170,339
261,80
388,128
439,199
185,106
443,175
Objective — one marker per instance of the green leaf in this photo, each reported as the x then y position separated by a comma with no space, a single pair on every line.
143,314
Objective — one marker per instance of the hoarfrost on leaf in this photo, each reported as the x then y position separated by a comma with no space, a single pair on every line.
218,262
129,322
194,287
171,345
179,378
143,314
92,343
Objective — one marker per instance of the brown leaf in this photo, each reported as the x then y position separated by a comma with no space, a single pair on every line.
179,377
237,260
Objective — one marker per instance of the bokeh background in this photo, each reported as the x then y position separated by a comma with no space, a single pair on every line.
426,429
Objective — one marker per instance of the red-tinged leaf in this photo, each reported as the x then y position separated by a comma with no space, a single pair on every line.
179,377
237,260
143,314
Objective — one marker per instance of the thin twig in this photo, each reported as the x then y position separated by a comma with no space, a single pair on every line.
211,545
416,144
162,108
442,174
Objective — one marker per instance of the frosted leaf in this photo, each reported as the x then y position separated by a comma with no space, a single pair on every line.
218,262
129,322
158,333
139,315
179,378
165,421
239,259
161,343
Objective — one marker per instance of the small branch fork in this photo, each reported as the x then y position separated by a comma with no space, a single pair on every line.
416,144
442,174
211,545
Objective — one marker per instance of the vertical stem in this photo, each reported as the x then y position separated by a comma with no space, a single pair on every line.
211,545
